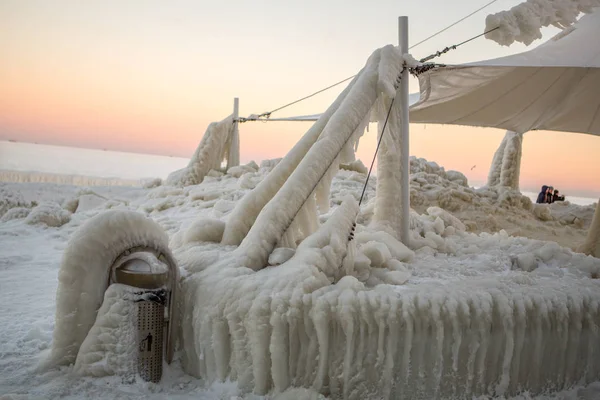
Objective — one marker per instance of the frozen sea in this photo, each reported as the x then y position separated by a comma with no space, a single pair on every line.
126,167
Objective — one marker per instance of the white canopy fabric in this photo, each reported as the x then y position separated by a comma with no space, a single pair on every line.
555,86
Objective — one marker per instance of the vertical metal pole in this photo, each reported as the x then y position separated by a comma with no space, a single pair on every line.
233,158
404,135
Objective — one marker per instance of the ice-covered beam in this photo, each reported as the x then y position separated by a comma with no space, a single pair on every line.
523,22
345,124
84,274
591,246
244,215
392,204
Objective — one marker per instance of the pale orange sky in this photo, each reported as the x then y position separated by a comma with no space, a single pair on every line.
149,76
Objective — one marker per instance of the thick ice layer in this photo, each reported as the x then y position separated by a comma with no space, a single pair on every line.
84,274
212,150
523,22
523,318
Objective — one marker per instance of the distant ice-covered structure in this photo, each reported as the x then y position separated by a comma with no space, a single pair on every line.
214,148
506,164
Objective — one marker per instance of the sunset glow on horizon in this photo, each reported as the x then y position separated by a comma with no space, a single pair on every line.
149,77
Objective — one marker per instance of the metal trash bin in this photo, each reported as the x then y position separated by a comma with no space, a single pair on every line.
143,270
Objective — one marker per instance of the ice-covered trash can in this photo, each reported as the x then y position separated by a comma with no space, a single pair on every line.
145,271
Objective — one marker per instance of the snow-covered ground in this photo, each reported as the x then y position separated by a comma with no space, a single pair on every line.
38,219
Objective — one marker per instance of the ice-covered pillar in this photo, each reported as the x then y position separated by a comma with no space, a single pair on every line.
233,156
511,161
404,130
591,246
506,164
393,191
496,167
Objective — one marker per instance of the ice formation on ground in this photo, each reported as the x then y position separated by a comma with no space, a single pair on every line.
251,205
448,258
506,164
212,150
394,324
523,22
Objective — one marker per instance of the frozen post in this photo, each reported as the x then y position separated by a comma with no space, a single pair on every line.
233,157
402,95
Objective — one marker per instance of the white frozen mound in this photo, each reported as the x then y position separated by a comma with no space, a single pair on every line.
11,199
523,22
212,150
84,274
49,214
110,348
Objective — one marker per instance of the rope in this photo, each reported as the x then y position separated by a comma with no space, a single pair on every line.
451,25
453,47
268,114
376,150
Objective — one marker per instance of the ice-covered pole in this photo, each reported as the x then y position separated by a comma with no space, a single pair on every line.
591,246
233,157
404,131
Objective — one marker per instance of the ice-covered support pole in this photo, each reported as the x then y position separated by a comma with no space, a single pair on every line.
393,190
591,246
506,164
404,134
243,216
233,157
